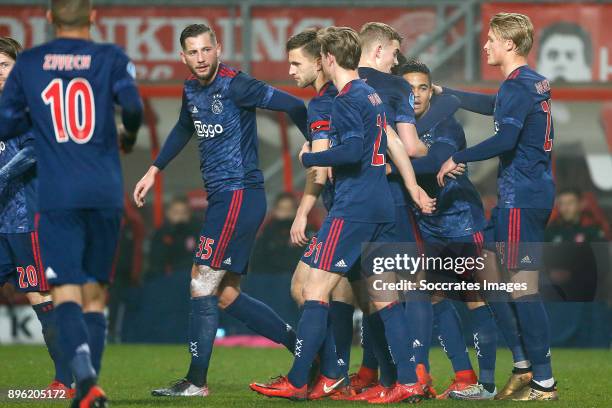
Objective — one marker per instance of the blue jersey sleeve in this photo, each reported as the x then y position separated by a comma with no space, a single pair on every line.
123,77
14,119
346,121
474,102
514,105
318,120
20,163
177,139
405,110
248,92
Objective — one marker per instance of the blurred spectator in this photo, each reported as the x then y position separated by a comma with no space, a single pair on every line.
128,268
273,252
173,243
568,226
571,261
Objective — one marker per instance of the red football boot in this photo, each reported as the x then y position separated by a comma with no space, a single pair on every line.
401,393
463,379
371,393
58,390
426,381
364,378
281,388
325,387
95,398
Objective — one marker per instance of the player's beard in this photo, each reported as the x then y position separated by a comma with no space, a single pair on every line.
211,72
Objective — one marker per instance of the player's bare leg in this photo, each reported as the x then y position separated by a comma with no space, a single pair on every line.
535,332
297,282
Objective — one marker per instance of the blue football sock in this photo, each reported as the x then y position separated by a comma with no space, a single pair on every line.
311,333
398,337
450,332
264,321
96,327
535,331
484,332
73,341
419,314
380,348
46,316
507,324
329,358
368,359
341,315
203,324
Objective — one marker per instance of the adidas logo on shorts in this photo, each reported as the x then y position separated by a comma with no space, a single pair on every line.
50,273
526,259
416,344
341,264
228,261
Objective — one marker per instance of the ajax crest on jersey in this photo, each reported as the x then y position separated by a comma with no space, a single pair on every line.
217,106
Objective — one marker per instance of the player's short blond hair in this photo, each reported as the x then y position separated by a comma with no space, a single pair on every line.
377,32
343,43
70,13
516,27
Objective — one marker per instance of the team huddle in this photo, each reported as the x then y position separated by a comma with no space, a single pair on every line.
383,151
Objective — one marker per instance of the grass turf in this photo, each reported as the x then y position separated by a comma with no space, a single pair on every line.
131,371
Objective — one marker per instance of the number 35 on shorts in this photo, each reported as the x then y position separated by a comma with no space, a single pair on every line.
205,249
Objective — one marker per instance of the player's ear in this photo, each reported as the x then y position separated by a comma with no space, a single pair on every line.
49,16
183,59
218,50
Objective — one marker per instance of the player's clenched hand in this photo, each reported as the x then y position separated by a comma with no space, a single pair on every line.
144,185
448,166
437,89
298,231
305,149
126,139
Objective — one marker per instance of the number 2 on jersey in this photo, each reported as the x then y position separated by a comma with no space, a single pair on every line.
548,143
73,112
378,159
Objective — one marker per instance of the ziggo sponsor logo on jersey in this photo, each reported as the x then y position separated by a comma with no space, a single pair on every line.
207,131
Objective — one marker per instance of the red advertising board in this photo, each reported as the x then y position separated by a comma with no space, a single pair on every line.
150,35
572,41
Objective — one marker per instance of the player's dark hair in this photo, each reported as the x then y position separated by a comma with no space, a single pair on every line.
10,47
343,43
570,190
193,30
306,39
70,13
566,28
413,65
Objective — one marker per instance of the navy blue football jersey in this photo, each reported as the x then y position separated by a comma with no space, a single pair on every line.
319,114
398,99
525,178
18,199
459,210
222,115
361,191
69,87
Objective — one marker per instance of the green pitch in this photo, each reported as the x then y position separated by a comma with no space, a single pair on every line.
130,371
